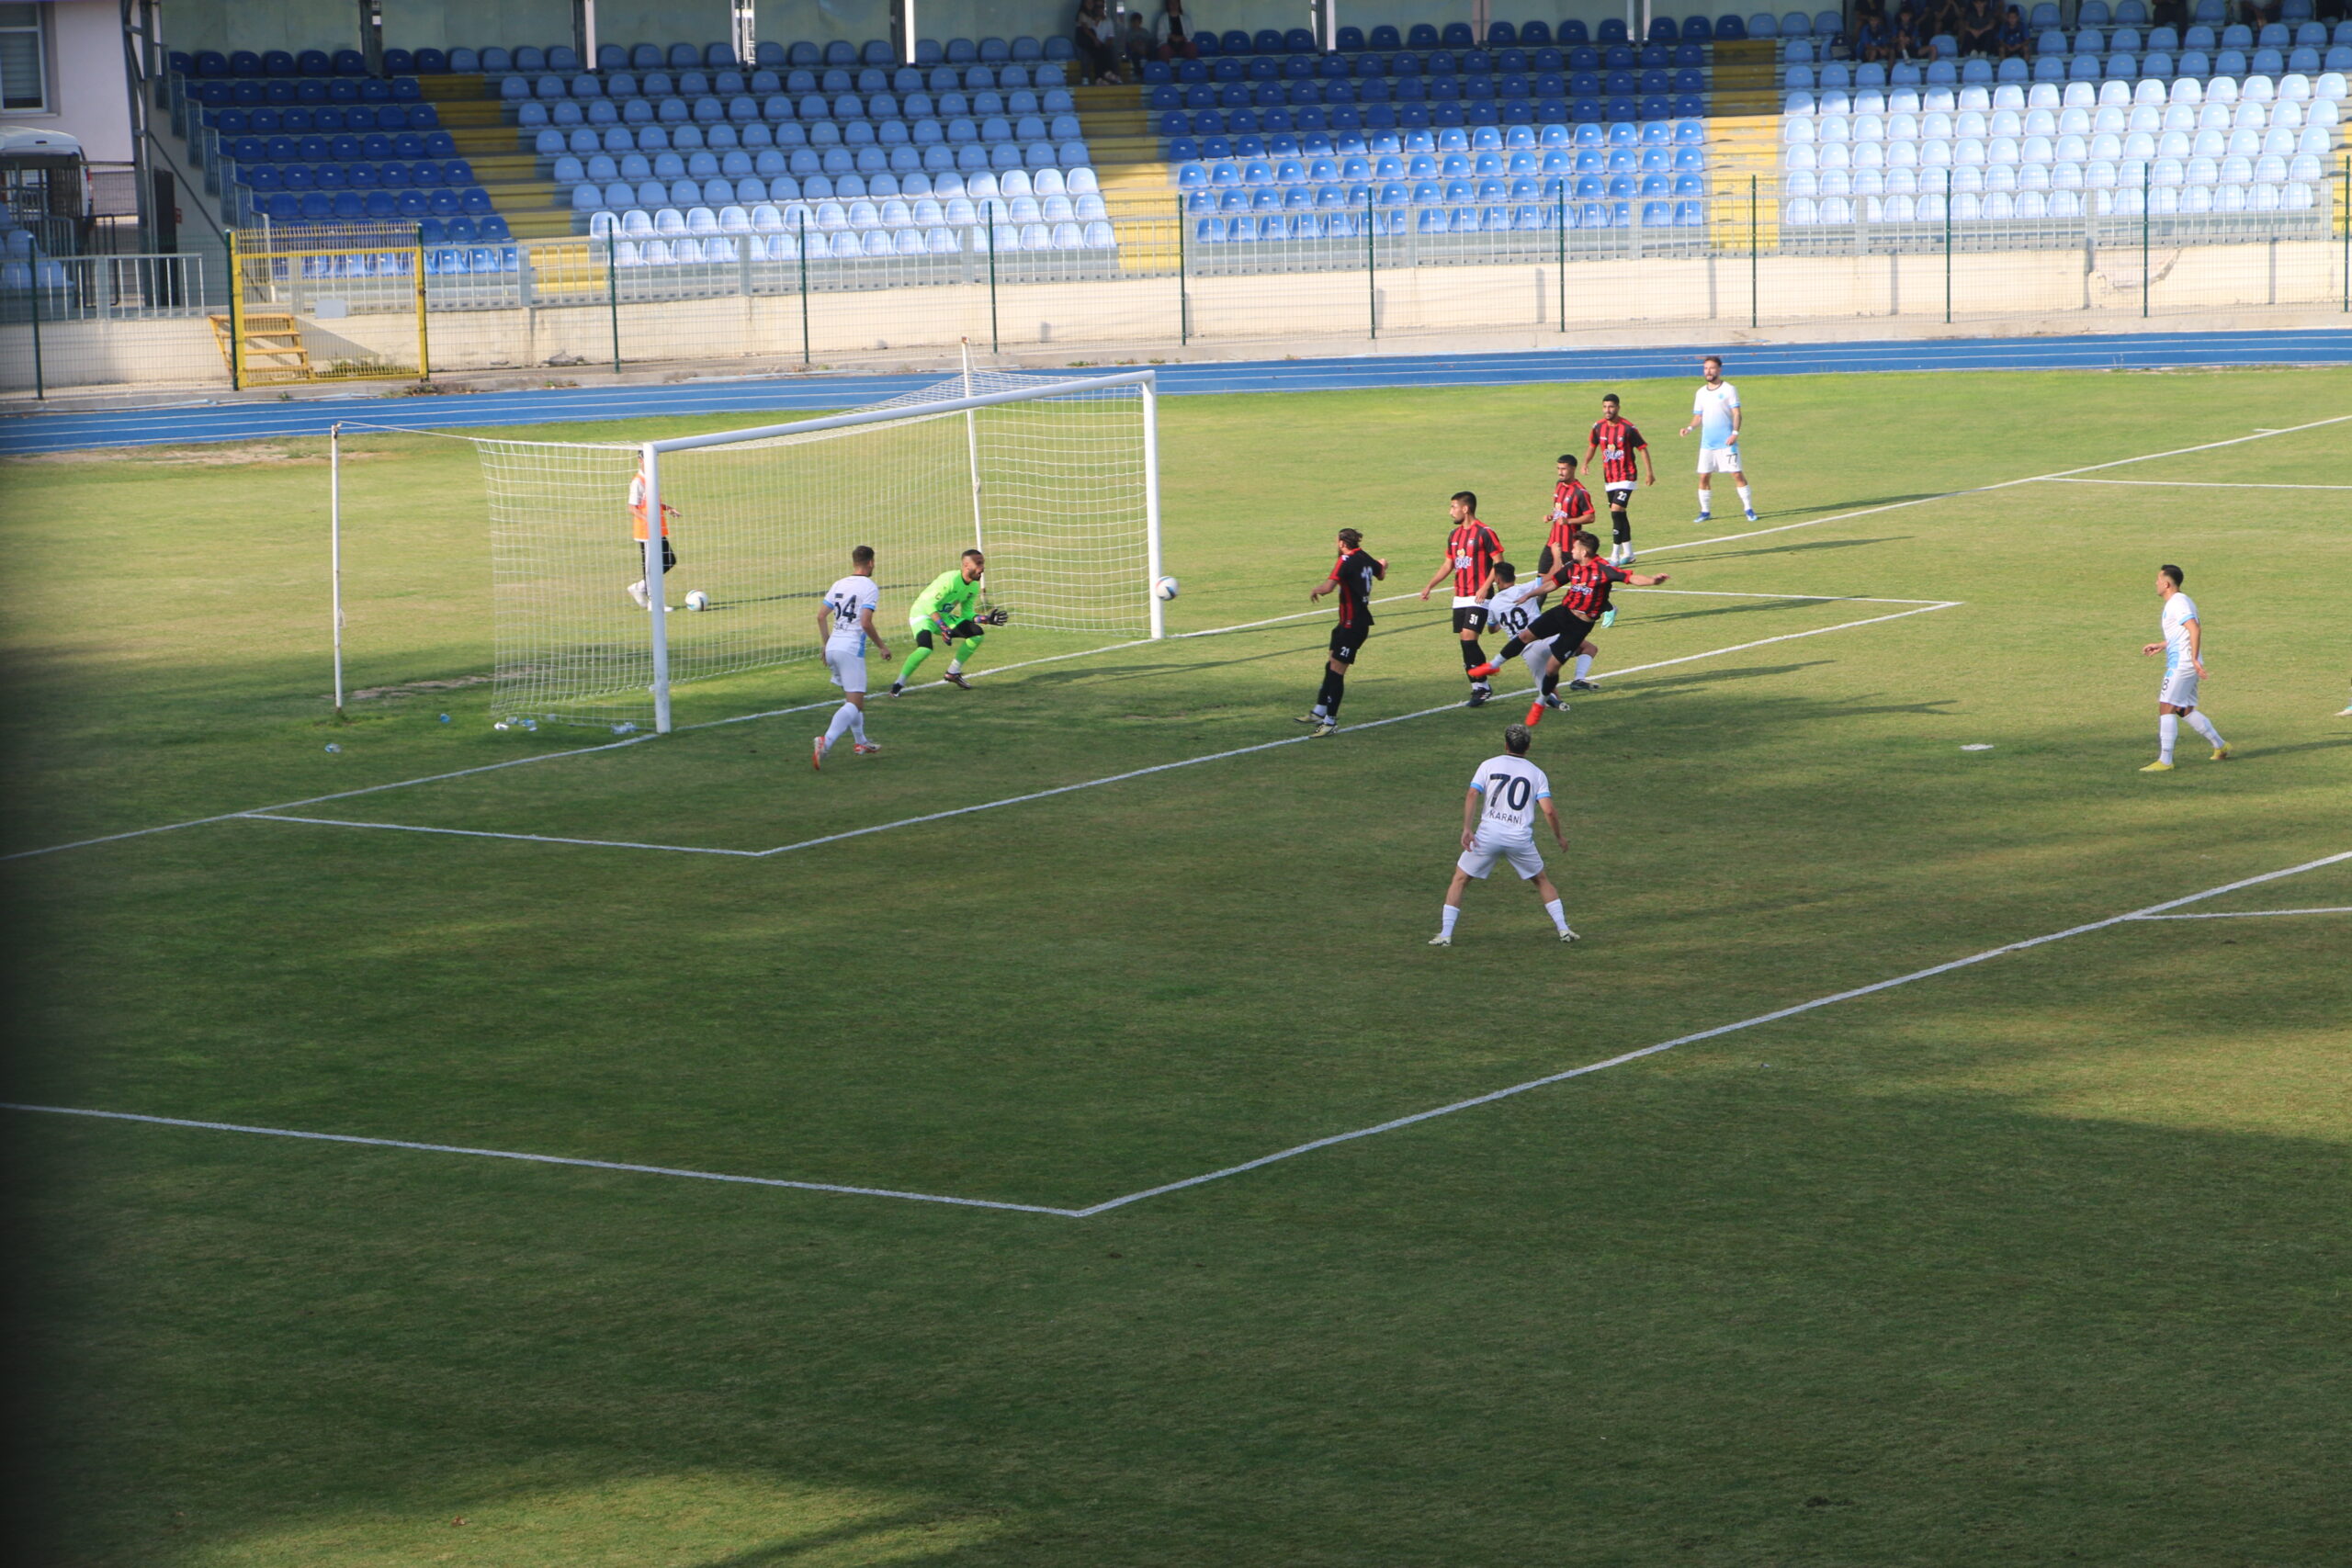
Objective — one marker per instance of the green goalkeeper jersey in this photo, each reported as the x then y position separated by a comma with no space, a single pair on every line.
949,597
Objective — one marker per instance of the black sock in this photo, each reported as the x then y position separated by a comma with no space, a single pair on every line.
1551,682
1510,651
1335,686
1473,655
1621,527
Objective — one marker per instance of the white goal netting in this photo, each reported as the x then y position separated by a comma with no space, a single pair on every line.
1054,486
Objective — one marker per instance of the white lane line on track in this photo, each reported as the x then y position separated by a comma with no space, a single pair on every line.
2153,911
539,1159
1998,484
2248,914
1111,778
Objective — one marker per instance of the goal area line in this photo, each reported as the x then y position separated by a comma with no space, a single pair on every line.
2150,912
1920,607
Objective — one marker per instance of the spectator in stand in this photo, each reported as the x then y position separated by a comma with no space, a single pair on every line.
1871,42
1137,44
2015,41
1869,10
1979,29
1174,33
1098,43
1942,19
1906,43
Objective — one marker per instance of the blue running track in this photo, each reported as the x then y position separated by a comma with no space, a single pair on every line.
241,421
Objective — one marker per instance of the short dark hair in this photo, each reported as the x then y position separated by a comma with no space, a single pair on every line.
1588,539
1566,458
1505,571
974,555
1611,398
861,555
1714,359
1351,537
1468,498
2168,570
1516,738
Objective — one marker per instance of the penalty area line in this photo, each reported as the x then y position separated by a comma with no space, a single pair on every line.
2153,911
2001,484
2248,914
539,1159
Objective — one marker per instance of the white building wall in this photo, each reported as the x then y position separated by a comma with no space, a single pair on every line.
88,94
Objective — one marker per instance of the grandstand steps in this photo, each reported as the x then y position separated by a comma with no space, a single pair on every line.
1745,78
1137,190
1741,148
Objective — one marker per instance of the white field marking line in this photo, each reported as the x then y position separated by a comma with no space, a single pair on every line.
2000,484
2197,484
2153,911
1924,606
482,833
613,745
2249,914
541,1159
1344,730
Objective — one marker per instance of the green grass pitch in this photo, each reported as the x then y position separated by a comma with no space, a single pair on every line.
2037,1261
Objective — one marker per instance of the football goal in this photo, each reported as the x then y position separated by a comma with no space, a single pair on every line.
1056,478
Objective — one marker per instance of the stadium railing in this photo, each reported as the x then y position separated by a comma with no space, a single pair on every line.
780,297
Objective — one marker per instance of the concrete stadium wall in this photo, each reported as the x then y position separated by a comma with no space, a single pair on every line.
1330,312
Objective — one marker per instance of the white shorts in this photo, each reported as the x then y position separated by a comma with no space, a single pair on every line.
2179,688
846,668
1480,857
1719,459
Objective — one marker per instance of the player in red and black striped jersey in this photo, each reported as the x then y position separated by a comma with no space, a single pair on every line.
1352,575
1471,551
1617,442
1584,599
1571,514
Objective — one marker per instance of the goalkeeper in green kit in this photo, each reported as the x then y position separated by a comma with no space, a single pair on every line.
948,611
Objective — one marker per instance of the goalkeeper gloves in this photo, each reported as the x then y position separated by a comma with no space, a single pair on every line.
995,615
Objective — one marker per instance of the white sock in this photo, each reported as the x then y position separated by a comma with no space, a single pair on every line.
1706,502
1453,913
1746,501
2168,736
840,727
955,667
2204,726
857,723
1559,915
1584,665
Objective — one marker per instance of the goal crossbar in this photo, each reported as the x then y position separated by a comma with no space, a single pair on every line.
1063,494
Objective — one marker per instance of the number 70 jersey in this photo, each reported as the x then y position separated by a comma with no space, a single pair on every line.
1511,786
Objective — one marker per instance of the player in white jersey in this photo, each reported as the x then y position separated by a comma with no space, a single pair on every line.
846,622
1715,414
2184,649
1499,823
1514,608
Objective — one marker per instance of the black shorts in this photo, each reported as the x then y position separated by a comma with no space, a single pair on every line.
1620,496
1572,632
1552,623
1469,617
1345,640
960,630
669,556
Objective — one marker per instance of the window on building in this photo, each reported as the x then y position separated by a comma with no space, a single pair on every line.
23,60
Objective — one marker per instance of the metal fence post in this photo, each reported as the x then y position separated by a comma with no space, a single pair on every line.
40,383
801,219
2344,218
423,334
996,339
2147,283
1755,251
1184,299
613,295
1947,247
1371,268
1560,225
236,317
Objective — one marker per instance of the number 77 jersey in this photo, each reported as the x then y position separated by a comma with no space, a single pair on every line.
1511,785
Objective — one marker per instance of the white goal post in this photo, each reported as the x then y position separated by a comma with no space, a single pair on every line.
1056,479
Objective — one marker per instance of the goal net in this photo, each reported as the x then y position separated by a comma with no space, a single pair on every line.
1054,479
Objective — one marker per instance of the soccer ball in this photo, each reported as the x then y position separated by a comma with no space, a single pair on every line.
697,600
1166,588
